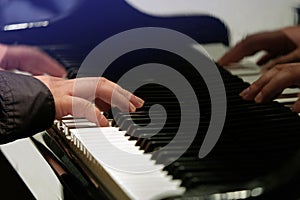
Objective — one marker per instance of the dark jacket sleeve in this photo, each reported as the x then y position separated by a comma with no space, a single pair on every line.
26,106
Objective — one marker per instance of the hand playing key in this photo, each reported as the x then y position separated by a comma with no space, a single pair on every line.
273,82
80,93
279,47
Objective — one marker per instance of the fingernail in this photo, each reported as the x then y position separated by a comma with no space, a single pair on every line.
140,101
259,98
245,92
132,108
292,109
103,121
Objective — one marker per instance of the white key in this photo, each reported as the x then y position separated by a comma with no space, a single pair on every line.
109,145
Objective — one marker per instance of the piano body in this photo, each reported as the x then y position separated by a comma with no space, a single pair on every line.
256,157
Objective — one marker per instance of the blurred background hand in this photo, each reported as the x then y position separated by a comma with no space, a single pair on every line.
278,46
32,60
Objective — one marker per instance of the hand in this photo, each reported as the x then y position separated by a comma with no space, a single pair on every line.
32,60
278,46
75,97
273,82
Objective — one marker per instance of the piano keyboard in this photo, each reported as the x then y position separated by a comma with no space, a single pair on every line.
92,142
256,155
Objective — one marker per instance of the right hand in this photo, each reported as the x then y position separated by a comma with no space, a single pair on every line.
31,59
278,46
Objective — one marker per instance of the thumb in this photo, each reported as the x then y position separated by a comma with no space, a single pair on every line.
296,106
79,107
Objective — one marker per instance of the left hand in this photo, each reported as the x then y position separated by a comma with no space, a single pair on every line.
76,97
273,82
32,60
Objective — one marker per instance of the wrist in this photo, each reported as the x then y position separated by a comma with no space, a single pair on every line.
293,33
3,50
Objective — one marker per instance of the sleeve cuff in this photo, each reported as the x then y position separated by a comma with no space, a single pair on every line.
26,106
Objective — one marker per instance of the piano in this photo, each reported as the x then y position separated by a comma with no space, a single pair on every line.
256,157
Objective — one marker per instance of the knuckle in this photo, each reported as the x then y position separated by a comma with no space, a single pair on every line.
279,67
258,83
289,70
245,42
126,93
249,42
102,81
249,38
123,92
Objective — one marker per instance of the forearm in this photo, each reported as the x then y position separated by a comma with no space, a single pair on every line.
26,106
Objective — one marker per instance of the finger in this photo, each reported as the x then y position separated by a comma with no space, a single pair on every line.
296,106
108,92
79,107
136,101
264,59
232,56
121,98
33,60
249,46
252,91
291,57
116,96
46,64
275,86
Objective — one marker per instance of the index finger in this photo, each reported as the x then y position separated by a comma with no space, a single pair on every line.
275,86
251,92
235,54
248,46
92,88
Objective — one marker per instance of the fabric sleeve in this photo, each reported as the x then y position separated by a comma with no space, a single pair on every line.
26,106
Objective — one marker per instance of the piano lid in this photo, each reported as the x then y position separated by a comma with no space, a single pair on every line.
76,21
15,14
